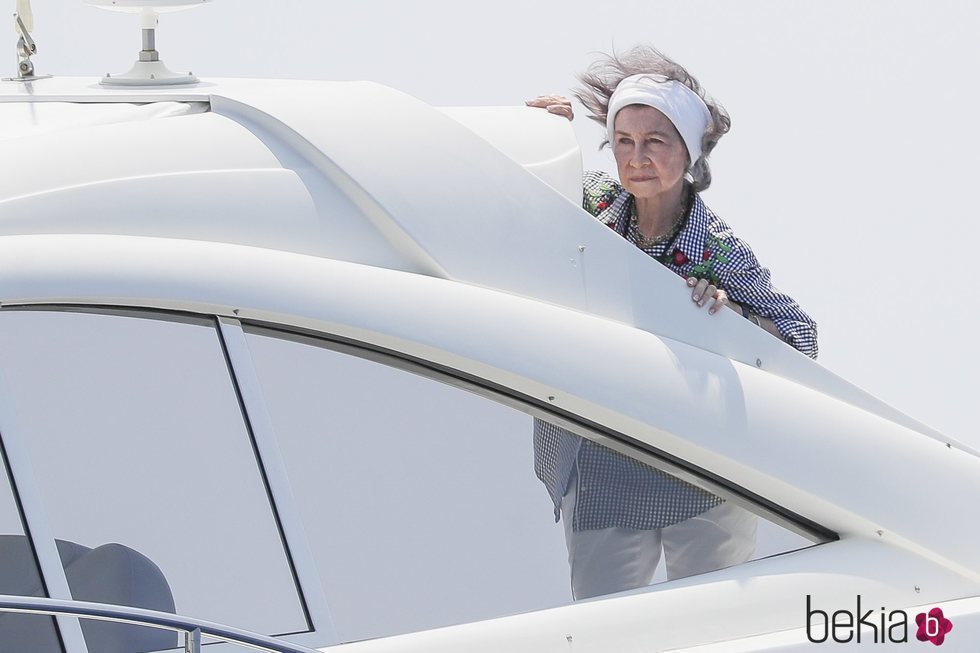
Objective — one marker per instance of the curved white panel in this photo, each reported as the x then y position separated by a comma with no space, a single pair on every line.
808,452
22,119
476,213
46,161
269,208
764,596
540,142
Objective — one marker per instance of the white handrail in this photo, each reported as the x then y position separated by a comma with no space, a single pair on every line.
193,629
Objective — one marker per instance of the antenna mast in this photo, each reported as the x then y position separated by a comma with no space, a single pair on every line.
26,47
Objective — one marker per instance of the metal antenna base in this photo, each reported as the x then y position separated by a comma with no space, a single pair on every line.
25,69
148,69
26,78
148,73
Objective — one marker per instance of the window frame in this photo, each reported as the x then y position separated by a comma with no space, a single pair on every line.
26,497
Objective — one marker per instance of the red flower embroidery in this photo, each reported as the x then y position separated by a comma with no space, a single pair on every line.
611,225
680,258
707,255
602,206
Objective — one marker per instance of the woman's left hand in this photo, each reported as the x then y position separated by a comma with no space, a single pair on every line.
707,294
556,104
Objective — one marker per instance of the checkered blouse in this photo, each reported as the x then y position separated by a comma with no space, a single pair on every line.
613,489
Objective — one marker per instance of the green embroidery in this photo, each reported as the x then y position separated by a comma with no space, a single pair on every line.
602,199
715,250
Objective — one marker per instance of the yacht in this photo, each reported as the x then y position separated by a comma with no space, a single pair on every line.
271,357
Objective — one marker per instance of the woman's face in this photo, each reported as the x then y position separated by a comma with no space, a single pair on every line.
650,154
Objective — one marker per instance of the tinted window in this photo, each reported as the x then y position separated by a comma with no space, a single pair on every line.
420,498
146,467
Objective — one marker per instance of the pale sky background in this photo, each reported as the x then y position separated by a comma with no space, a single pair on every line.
849,169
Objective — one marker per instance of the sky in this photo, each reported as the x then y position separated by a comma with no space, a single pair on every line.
849,167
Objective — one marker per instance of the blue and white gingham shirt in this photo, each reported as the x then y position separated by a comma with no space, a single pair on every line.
613,489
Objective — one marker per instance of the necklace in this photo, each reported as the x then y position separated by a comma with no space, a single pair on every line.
647,242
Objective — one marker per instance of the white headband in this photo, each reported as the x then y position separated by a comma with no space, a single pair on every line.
681,105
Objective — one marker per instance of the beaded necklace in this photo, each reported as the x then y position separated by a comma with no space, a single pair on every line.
645,243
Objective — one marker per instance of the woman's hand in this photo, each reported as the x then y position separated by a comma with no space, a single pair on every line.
556,104
706,293
716,299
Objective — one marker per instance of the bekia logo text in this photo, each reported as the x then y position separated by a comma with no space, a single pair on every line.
874,626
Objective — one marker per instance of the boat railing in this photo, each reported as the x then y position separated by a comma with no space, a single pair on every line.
193,629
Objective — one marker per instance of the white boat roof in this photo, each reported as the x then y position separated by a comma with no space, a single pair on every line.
321,168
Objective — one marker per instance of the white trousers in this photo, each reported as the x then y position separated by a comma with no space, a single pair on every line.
616,559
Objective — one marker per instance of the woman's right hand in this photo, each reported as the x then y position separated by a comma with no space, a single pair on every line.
556,104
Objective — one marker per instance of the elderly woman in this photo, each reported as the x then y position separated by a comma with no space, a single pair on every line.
619,514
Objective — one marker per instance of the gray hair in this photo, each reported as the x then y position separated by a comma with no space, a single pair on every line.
602,78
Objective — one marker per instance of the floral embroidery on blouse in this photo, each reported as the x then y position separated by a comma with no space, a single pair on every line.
601,199
715,251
